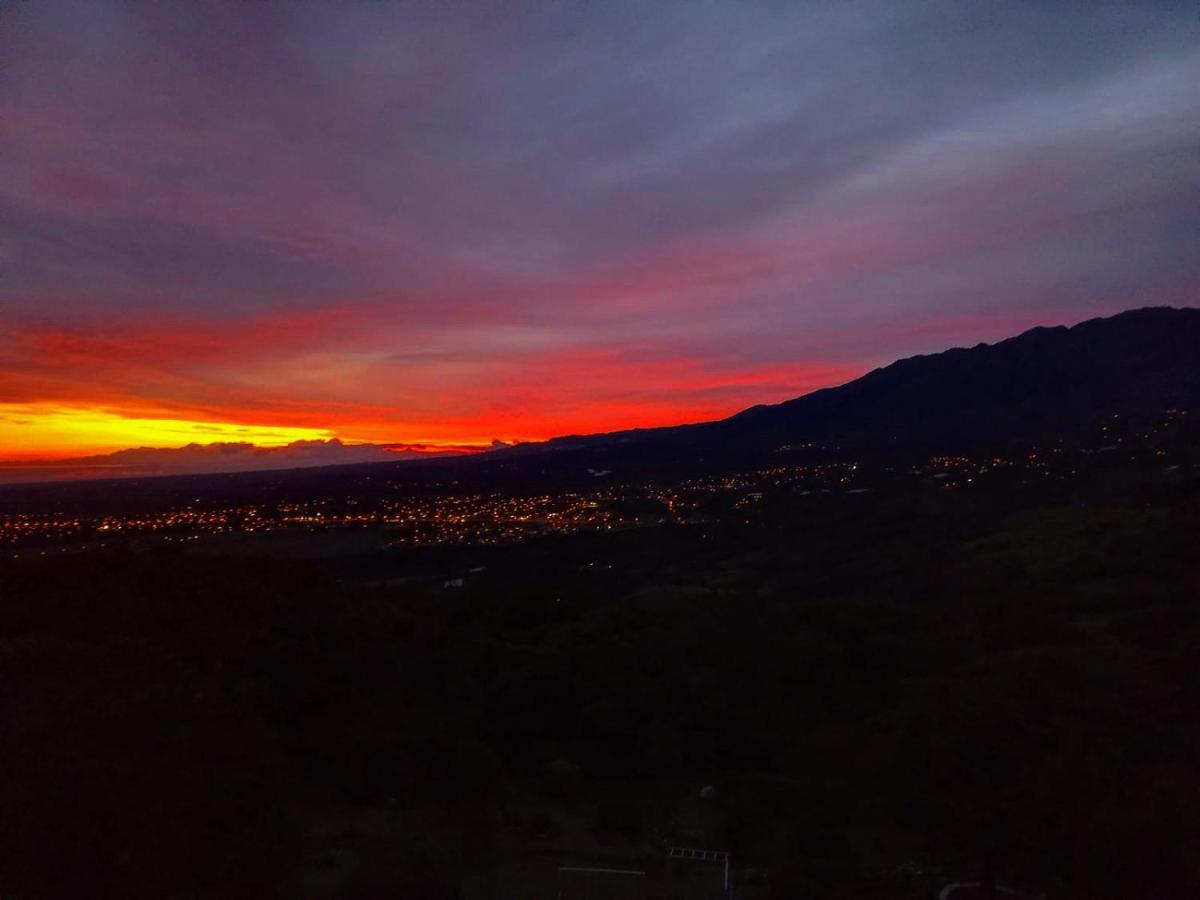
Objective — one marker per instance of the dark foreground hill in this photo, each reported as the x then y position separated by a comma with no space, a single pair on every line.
883,692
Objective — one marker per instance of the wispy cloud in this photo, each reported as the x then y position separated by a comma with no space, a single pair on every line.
399,222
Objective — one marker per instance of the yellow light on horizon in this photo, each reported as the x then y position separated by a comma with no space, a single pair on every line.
48,430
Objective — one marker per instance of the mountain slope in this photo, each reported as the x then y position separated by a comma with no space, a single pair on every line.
1037,384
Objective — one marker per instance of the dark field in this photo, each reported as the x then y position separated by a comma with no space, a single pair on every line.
886,692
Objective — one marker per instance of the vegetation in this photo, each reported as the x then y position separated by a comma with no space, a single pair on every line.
876,688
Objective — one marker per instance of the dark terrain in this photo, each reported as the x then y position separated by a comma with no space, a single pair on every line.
924,642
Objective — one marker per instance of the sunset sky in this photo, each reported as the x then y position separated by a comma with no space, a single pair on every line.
448,223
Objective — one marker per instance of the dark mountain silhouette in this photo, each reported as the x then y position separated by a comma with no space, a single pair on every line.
1043,382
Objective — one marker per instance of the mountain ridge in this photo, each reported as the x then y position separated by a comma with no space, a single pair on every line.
1031,386
1137,361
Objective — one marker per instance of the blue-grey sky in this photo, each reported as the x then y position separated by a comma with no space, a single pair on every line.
451,222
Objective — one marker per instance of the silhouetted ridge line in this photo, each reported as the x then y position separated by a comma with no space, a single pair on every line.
1042,381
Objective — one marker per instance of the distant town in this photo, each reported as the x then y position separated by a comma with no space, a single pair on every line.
453,517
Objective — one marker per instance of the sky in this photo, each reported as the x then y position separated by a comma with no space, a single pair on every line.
449,223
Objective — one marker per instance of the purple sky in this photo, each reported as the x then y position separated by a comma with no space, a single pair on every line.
444,222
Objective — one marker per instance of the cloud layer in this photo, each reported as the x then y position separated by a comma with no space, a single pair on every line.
449,223
216,457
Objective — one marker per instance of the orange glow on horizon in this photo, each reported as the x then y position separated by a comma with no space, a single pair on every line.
532,407
51,430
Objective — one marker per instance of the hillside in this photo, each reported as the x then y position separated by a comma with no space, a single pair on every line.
1038,384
